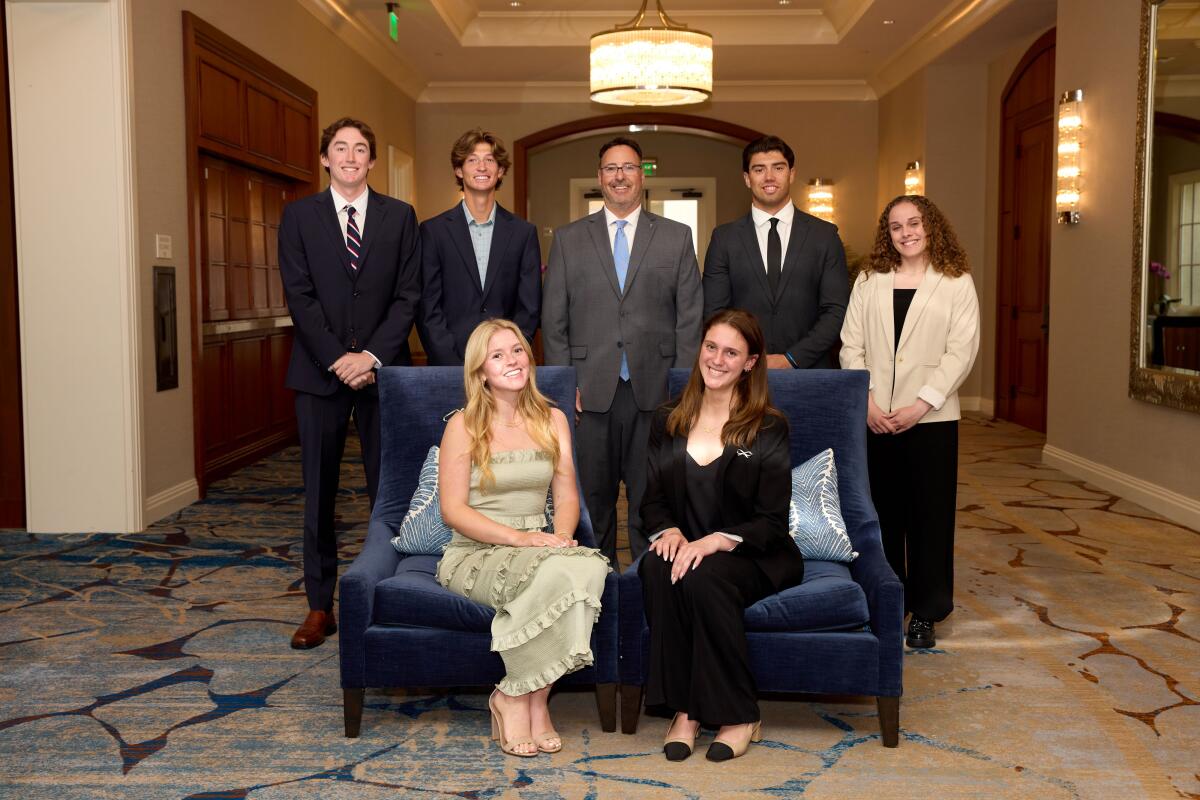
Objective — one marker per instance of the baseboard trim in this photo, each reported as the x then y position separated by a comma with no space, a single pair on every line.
1172,505
170,500
984,405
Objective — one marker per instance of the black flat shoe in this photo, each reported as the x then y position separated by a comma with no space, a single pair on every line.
920,634
720,751
679,748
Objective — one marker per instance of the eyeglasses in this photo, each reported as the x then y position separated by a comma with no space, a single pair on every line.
629,169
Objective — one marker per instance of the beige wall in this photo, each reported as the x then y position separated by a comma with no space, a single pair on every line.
901,136
290,37
1090,415
831,139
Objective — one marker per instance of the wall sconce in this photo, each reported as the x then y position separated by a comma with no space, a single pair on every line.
1070,133
914,178
820,198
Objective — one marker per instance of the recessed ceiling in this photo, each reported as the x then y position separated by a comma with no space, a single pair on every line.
836,49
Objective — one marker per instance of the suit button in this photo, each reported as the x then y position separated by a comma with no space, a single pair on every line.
356,292
620,345
900,359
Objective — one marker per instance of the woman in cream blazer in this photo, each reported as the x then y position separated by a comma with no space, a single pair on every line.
913,323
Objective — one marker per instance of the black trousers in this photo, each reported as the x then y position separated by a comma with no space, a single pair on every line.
323,422
612,449
914,483
699,660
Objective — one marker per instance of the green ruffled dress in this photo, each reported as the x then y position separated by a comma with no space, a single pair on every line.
546,598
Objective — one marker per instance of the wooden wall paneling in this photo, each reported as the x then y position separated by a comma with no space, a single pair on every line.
12,454
254,127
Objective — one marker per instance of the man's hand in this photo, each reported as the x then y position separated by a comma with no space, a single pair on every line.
365,379
778,361
352,366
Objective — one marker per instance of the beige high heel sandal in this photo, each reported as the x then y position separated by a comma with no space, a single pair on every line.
723,751
683,745
498,732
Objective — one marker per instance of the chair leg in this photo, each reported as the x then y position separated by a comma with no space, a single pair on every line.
352,708
889,720
631,707
606,704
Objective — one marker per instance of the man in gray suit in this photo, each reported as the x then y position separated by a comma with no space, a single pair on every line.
621,302
786,267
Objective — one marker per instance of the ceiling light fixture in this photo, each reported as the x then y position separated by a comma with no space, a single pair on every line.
663,65
889,22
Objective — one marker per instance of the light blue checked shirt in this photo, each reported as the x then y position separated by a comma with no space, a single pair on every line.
481,239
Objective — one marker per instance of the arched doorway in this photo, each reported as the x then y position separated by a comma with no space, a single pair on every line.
591,125
1026,210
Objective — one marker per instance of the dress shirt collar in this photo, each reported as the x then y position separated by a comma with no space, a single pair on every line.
471,219
784,215
632,219
360,204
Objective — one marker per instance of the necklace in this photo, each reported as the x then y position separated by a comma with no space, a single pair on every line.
712,428
516,423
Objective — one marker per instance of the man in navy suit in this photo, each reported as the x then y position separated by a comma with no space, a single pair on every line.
786,267
350,263
478,261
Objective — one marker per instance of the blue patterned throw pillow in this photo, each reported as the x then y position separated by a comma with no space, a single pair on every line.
423,531
815,513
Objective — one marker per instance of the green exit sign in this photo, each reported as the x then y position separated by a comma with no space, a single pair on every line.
393,23
649,167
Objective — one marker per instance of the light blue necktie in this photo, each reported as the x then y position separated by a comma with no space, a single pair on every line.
621,260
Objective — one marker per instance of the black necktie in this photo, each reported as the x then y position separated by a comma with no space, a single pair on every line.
774,256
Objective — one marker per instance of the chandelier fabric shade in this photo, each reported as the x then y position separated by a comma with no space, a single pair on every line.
665,65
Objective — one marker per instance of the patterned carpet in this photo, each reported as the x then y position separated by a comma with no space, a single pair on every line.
157,665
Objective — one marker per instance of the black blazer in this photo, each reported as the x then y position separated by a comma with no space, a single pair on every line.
804,317
452,300
336,309
756,487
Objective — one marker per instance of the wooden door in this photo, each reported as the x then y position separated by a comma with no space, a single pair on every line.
1026,212
12,450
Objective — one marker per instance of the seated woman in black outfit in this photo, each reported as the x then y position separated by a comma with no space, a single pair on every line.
716,502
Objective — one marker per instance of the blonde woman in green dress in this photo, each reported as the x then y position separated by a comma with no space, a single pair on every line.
498,458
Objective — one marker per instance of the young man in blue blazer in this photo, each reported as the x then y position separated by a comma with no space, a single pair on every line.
350,263
478,260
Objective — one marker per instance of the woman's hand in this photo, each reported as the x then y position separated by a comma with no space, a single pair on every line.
690,554
904,418
668,544
539,539
878,421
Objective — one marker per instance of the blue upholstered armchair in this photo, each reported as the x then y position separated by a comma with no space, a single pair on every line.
840,631
397,626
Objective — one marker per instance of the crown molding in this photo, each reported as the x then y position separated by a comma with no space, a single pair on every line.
577,92
371,45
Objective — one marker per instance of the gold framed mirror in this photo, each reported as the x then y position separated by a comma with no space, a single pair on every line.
1165,304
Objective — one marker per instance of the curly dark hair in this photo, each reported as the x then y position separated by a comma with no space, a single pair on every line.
945,253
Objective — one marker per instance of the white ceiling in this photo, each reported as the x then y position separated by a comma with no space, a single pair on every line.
807,49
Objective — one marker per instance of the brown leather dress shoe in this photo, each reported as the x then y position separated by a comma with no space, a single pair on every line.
312,632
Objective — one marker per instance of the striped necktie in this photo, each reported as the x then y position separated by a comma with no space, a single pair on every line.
353,237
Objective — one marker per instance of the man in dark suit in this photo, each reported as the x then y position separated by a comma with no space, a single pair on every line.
478,261
786,267
350,263
621,303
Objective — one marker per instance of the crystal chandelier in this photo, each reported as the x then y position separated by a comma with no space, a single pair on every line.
664,65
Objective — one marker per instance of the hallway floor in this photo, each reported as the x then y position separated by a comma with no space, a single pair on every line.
156,665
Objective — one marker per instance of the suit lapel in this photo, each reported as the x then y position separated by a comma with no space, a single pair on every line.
749,239
884,296
502,231
679,470
460,234
329,221
376,213
598,228
723,462
647,223
791,259
921,299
